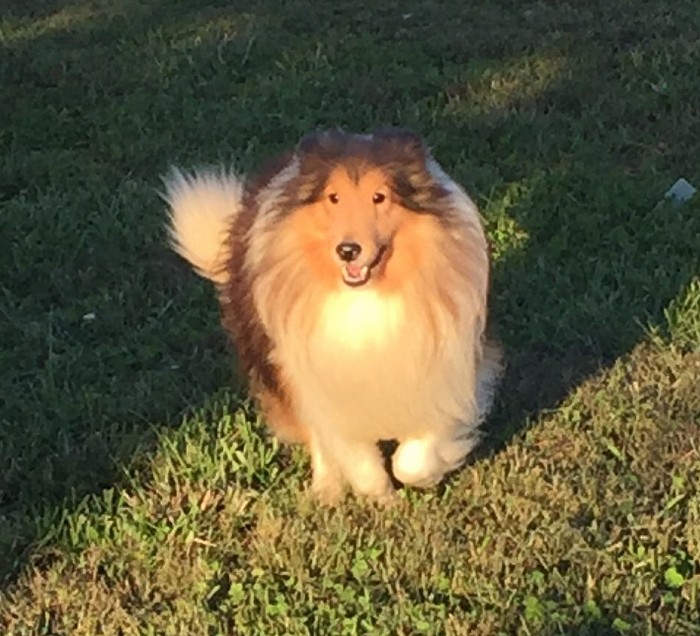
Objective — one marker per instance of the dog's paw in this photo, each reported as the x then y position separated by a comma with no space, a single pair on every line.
374,486
417,463
384,498
423,463
327,490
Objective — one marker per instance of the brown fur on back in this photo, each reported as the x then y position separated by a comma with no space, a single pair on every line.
239,316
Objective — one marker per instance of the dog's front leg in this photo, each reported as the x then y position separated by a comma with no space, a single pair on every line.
327,480
360,463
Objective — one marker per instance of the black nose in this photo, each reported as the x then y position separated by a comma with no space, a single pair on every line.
348,251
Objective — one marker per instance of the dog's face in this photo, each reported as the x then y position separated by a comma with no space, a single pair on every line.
361,216
356,193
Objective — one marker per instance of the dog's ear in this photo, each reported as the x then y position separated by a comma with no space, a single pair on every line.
400,145
404,156
316,154
322,144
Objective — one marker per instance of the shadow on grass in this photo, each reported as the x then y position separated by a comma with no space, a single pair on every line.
596,261
599,269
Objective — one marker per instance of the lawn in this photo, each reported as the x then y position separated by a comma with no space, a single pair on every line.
139,492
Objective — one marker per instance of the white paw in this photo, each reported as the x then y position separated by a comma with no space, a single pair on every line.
336,461
380,494
424,462
416,463
368,478
328,490
362,465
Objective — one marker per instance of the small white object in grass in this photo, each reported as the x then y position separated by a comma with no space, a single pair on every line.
89,317
680,192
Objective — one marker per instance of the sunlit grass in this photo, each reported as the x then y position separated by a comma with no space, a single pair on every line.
501,87
15,29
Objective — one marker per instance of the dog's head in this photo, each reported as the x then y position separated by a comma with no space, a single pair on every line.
352,195
346,213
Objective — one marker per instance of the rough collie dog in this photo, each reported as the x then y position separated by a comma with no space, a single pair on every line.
353,276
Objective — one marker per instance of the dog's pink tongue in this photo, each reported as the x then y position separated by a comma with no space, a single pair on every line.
355,271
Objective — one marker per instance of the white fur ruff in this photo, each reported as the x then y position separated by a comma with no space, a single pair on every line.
367,371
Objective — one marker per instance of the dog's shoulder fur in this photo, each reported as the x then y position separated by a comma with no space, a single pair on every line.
239,315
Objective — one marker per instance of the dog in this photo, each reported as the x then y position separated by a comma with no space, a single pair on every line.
353,276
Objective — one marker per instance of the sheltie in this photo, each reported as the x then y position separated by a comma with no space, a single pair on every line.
353,275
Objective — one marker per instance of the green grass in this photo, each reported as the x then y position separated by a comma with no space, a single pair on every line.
139,493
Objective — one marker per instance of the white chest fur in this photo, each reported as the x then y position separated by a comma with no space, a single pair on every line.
375,367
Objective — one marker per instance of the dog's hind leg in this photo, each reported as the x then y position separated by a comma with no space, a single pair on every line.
282,420
488,376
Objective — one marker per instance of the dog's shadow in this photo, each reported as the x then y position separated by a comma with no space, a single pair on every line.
564,314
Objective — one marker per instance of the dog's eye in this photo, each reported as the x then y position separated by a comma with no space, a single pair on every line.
378,197
333,198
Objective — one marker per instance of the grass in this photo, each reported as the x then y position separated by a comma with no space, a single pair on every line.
139,493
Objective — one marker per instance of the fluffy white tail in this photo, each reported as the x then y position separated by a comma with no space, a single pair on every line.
202,208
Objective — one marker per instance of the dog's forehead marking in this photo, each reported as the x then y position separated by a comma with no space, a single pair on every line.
357,178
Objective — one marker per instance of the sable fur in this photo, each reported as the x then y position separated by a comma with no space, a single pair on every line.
341,354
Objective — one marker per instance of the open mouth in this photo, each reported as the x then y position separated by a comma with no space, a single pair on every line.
356,274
